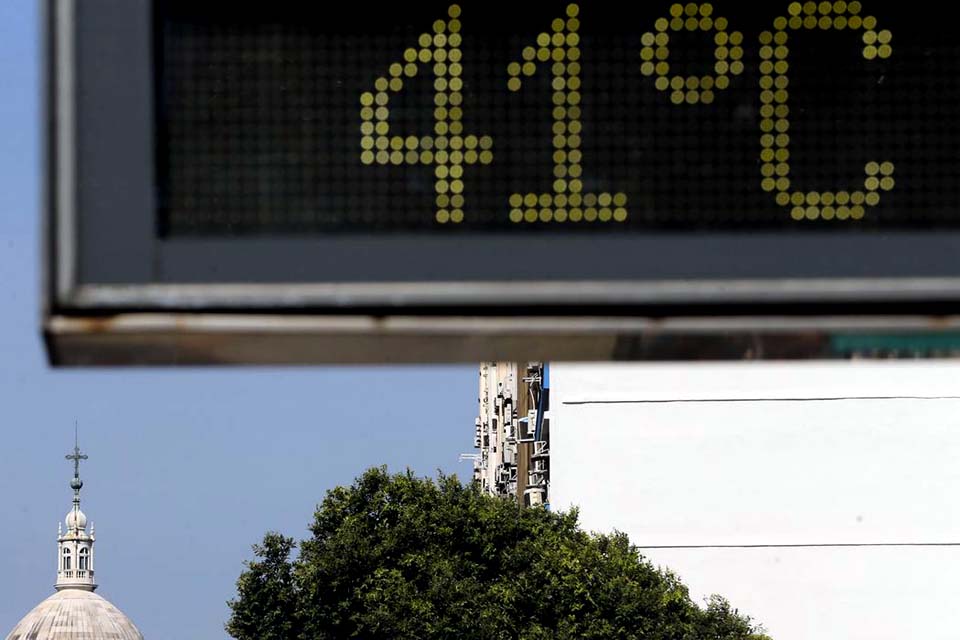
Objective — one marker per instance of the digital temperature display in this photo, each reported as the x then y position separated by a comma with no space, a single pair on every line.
541,117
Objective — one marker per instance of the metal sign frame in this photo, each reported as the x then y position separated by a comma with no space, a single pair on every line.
115,294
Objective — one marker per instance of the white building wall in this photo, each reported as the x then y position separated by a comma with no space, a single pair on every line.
769,455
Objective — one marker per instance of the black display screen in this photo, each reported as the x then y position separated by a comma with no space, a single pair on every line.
538,117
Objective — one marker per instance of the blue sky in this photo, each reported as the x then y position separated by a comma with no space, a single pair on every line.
187,468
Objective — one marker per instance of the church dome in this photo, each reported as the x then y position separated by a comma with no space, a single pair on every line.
74,613
76,519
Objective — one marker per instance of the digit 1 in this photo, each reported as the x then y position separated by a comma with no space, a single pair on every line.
775,112
567,201
448,150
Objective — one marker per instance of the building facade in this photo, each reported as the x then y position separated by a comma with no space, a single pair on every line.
512,432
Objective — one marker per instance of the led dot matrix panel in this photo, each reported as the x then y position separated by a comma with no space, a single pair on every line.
543,117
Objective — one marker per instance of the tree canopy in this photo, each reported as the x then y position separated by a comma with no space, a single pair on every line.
397,557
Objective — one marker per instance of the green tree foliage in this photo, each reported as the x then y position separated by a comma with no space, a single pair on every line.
396,557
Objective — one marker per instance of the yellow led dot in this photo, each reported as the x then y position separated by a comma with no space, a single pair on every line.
676,10
558,25
843,213
783,199
887,168
720,24
456,216
676,24
828,213
576,215
736,68
869,22
872,183
768,184
797,213
471,157
573,25
530,200
546,215
857,212
795,8
558,40
825,22
884,37
647,68
812,213
516,216
840,22
857,197
529,68
872,199
367,157
884,51
530,215
443,216
573,10
439,40
825,7
840,6
620,214
783,184
706,24
723,82
677,97
869,37
855,22
795,22
887,183
590,214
